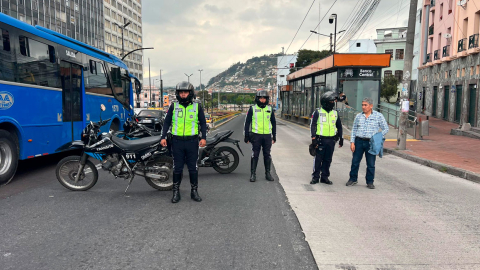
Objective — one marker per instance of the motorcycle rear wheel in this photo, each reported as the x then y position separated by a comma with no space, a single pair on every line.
167,184
230,155
67,169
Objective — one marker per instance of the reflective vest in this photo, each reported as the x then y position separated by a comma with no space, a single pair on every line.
185,120
326,123
261,120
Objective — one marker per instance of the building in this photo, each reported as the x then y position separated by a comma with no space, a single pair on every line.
144,98
357,75
78,19
93,22
362,46
449,69
393,41
118,13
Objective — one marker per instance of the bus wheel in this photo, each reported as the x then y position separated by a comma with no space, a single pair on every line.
8,157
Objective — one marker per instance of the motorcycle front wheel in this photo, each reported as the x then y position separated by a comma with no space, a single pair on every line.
164,164
67,170
228,162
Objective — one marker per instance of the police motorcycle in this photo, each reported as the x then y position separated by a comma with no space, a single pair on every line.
133,130
223,159
122,158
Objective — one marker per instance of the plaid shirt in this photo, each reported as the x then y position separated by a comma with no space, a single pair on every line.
367,127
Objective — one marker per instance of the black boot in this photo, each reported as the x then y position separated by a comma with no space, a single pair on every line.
177,179
253,169
194,183
268,166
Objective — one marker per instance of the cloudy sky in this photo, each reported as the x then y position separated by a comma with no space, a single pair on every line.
189,35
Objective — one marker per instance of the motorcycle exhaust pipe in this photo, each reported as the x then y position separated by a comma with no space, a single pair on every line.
149,175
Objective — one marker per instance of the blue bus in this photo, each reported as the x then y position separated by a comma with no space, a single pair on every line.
50,87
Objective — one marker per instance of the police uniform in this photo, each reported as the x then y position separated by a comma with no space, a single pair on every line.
184,121
326,127
261,134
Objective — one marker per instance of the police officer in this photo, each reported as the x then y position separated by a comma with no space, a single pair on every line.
183,117
326,129
262,133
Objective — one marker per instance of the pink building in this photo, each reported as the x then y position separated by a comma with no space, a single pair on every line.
449,70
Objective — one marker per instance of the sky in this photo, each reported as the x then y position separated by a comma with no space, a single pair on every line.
189,35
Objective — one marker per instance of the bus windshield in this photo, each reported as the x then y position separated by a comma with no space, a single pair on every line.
121,84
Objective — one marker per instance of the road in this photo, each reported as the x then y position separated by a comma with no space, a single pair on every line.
239,225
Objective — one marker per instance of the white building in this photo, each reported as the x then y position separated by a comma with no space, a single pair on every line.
361,46
284,63
118,13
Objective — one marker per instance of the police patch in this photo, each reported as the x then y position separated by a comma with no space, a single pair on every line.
191,116
258,110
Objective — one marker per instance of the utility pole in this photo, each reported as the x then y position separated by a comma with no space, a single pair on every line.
203,102
150,82
123,28
161,89
188,76
407,68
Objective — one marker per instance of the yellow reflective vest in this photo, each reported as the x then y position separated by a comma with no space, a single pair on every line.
185,120
326,123
261,120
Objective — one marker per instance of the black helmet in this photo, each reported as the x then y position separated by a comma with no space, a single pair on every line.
326,100
185,86
262,93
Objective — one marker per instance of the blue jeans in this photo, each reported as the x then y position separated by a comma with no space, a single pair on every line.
361,147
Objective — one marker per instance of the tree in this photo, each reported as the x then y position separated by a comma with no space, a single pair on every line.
389,87
307,57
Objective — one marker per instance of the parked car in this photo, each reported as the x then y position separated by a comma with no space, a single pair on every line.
151,118
208,117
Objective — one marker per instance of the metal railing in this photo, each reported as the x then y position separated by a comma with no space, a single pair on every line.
431,30
392,116
446,51
473,41
432,3
435,55
429,57
462,44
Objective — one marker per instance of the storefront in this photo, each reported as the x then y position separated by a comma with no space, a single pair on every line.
356,75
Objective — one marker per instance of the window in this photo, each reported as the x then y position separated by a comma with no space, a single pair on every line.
358,44
387,73
7,67
121,84
399,54
5,45
390,52
399,75
37,64
96,79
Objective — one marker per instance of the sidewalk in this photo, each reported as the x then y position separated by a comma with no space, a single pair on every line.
456,155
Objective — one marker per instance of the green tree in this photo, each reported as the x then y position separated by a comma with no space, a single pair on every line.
307,57
389,87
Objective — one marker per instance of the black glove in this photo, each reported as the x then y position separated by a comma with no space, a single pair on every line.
314,142
274,139
246,139
341,142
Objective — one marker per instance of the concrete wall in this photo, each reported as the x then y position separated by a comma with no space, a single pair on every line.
366,46
435,76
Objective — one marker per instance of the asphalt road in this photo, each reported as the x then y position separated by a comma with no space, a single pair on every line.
239,225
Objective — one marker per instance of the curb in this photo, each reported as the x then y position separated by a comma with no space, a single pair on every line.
468,175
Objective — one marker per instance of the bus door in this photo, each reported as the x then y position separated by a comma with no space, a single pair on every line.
72,106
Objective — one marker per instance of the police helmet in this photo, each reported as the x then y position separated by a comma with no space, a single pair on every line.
185,86
264,94
326,100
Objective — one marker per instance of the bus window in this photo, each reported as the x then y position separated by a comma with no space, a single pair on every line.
36,67
6,59
96,81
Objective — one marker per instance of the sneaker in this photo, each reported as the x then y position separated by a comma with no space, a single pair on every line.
370,186
351,183
314,181
326,181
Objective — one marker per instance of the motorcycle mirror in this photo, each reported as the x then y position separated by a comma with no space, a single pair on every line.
102,107
131,107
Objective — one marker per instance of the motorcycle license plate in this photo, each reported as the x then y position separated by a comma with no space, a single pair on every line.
146,121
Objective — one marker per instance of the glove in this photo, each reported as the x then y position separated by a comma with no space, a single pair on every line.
314,142
341,142
246,139
274,139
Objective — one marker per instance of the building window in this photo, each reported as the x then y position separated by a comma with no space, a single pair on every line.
399,75
358,44
387,73
390,52
399,54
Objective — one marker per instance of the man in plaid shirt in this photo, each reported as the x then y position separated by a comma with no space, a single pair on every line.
366,125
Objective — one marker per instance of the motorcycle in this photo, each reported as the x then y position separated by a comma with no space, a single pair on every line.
223,159
122,158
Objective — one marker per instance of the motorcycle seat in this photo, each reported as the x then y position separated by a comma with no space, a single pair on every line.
134,145
216,137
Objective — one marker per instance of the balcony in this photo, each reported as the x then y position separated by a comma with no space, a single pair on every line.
462,45
435,55
430,30
473,41
429,57
432,3
446,51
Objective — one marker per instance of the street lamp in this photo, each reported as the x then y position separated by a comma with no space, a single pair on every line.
315,32
123,28
330,20
203,103
188,76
